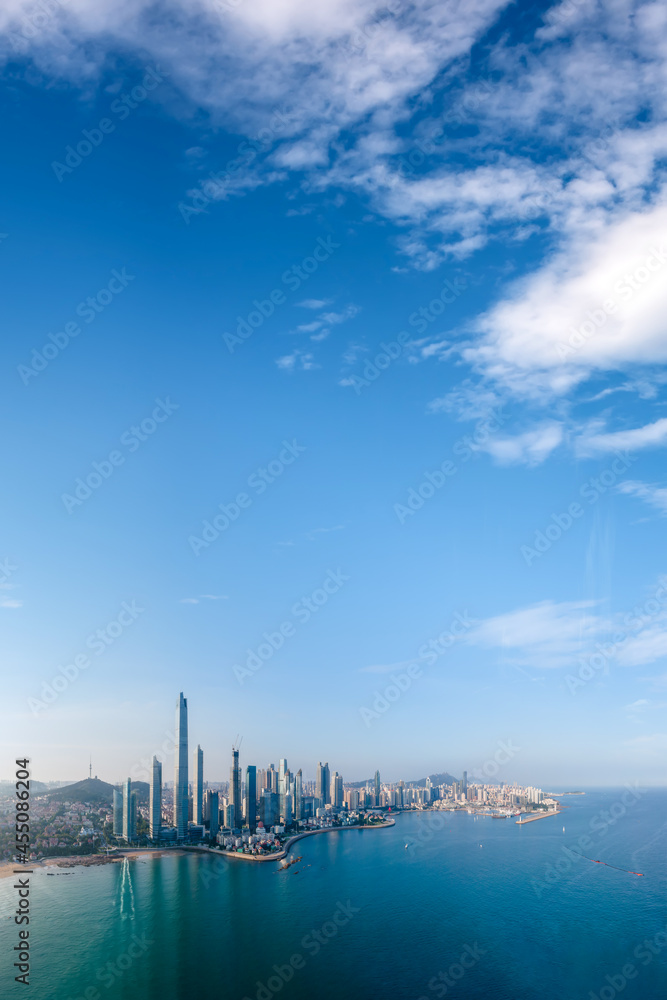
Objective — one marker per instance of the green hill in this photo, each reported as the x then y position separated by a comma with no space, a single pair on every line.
95,791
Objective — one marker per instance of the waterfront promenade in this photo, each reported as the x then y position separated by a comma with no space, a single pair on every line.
279,855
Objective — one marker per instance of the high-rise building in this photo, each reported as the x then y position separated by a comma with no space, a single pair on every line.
377,788
235,789
322,783
230,820
298,796
134,811
117,812
337,791
251,797
198,789
272,779
181,769
268,808
464,783
155,801
285,797
213,807
127,809
281,775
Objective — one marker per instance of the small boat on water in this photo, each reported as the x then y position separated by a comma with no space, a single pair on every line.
406,846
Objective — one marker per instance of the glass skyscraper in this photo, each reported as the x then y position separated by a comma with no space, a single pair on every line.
251,796
198,789
117,812
235,789
322,784
155,801
181,769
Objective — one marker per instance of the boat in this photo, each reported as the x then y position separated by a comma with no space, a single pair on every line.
406,846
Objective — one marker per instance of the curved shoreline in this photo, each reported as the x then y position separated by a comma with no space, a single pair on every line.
292,840
7,869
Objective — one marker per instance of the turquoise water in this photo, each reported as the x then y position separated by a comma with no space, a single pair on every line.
390,920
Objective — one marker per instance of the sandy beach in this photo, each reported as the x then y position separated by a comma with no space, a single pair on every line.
8,869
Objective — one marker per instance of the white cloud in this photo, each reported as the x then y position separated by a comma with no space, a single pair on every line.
296,361
547,634
203,597
655,496
652,435
530,448
579,314
10,603
314,303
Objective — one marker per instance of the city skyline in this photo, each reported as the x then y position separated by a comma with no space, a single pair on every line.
385,389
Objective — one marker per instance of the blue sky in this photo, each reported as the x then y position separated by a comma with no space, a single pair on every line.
410,260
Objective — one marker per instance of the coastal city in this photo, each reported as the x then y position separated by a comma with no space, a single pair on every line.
253,814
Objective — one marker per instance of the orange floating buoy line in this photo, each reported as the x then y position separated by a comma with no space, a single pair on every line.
595,862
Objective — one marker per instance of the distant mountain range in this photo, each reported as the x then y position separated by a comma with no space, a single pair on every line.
436,779
94,790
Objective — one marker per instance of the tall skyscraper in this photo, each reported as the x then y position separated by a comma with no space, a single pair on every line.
322,783
298,796
281,775
272,779
214,826
284,795
181,769
464,783
377,788
155,801
134,811
251,797
235,789
127,809
198,790
117,812
337,791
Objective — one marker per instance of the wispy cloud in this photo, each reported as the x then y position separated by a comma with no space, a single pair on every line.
297,361
594,442
204,597
544,635
655,496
